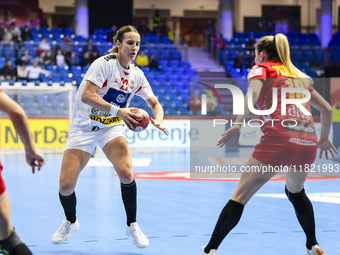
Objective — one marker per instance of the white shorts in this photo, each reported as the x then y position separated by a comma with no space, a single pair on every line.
87,140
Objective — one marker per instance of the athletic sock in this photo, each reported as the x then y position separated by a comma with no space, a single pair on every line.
69,204
129,195
228,219
305,214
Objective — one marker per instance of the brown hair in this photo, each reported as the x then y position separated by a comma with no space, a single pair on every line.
120,34
277,48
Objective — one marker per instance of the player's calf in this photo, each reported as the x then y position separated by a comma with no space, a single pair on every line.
13,245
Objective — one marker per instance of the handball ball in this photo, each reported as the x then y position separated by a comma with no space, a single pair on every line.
143,119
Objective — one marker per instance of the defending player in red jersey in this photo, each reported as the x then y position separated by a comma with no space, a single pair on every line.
294,144
10,242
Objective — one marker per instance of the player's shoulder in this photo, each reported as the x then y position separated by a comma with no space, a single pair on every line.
136,69
110,57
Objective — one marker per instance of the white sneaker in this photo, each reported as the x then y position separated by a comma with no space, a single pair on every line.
212,252
316,250
139,239
64,231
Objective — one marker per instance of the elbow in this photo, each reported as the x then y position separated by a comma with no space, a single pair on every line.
17,114
84,98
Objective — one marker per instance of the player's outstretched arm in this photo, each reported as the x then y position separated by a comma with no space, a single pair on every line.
235,131
20,123
158,112
326,111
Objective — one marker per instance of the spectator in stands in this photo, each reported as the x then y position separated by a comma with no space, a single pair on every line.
49,59
209,32
153,62
8,72
251,60
7,37
73,59
22,72
26,58
86,59
66,46
34,71
112,33
60,58
26,34
156,19
44,46
94,55
143,29
195,103
336,111
8,19
16,33
142,59
89,47
239,61
40,58
251,42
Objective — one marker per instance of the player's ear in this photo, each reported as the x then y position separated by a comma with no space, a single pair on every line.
118,43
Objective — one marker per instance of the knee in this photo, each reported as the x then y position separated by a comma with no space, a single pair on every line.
125,175
300,201
66,188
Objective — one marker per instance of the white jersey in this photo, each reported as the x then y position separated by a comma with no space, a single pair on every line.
117,86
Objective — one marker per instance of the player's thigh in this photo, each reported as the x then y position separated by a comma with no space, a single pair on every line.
252,179
73,162
5,216
117,151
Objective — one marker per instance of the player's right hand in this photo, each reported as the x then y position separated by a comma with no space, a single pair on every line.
35,159
325,146
232,133
126,115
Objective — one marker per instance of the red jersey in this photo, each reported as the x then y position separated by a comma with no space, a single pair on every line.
276,75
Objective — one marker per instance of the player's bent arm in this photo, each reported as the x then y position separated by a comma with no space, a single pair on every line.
90,97
19,120
256,86
156,108
318,102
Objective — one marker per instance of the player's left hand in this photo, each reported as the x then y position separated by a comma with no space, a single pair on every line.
232,133
159,124
35,159
327,146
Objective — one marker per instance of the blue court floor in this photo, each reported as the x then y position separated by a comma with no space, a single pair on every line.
178,216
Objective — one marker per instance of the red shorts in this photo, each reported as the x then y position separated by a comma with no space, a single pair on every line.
2,183
286,151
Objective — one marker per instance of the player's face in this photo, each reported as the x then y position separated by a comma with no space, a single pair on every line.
129,46
258,57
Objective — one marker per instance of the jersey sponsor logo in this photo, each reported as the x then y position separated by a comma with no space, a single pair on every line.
106,120
100,113
255,72
120,98
110,57
113,95
300,127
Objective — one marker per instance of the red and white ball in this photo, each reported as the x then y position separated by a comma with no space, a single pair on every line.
143,120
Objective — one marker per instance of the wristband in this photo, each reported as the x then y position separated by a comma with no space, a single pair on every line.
114,110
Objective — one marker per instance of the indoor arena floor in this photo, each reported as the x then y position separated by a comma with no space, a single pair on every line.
176,214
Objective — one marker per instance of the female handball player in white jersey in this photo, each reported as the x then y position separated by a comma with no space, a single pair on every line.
100,111
286,146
